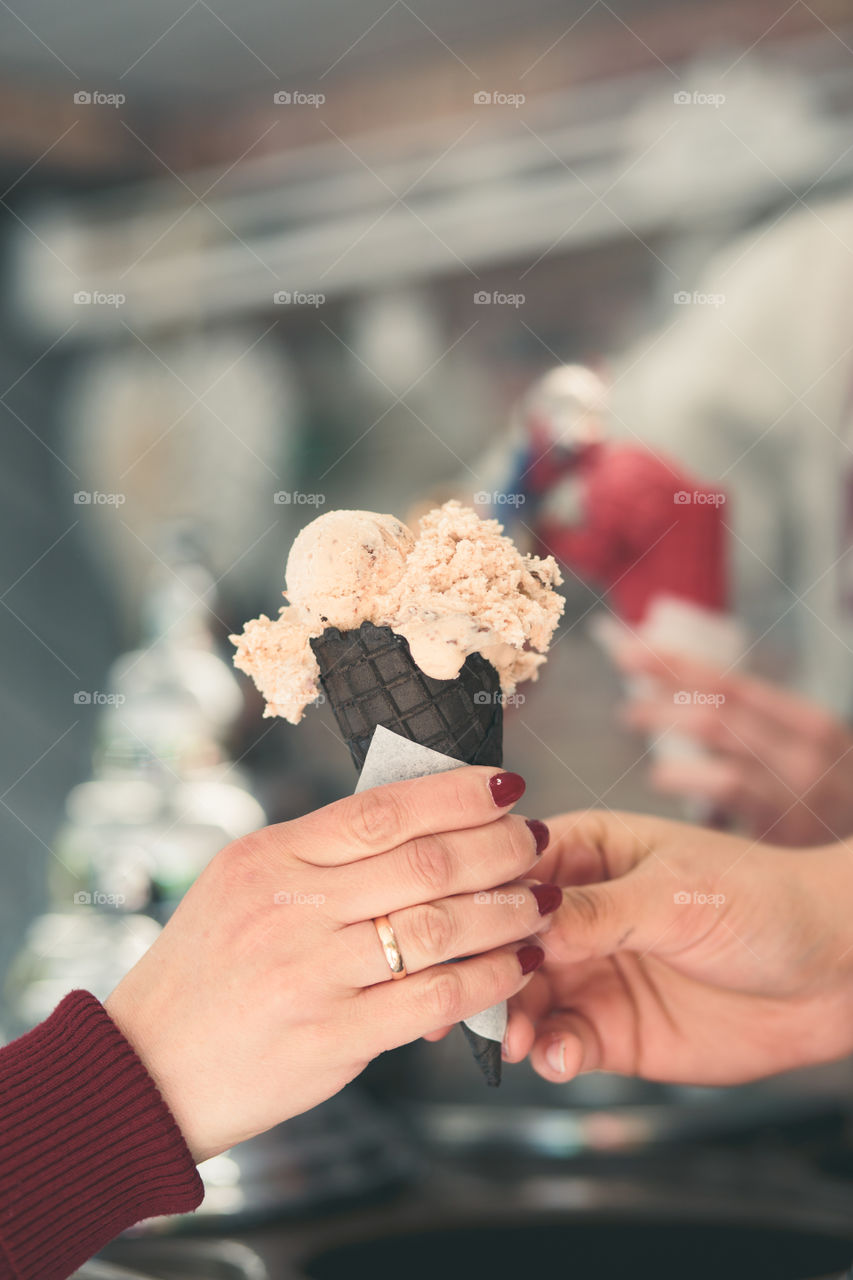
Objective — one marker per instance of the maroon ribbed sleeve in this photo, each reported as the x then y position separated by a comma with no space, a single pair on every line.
87,1144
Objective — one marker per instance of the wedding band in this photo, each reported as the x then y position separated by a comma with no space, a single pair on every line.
390,946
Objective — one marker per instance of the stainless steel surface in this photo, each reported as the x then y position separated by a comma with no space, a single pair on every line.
692,1228
633,1126
745,1217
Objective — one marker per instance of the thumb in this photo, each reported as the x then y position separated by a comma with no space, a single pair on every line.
566,1045
633,913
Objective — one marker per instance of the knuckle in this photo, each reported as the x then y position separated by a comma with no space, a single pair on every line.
445,996
460,784
376,819
430,866
495,981
242,862
431,929
512,844
589,909
522,843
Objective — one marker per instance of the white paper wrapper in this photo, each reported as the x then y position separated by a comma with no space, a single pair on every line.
392,758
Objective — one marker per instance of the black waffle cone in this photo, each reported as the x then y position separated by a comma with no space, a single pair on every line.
487,1055
370,678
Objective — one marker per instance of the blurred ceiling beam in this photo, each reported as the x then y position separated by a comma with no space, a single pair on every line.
480,188
39,119
45,130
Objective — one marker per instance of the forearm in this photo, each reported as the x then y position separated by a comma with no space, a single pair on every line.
87,1145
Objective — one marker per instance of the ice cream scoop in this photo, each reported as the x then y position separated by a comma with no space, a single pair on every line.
341,561
461,587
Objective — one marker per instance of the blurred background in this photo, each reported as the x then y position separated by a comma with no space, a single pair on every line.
260,261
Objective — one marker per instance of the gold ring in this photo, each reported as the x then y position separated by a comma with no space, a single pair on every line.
390,946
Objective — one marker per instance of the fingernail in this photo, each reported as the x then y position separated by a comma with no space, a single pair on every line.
548,897
555,1056
541,834
506,788
504,1048
530,958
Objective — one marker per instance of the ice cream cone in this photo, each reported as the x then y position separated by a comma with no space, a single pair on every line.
487,1055
417,636
370,679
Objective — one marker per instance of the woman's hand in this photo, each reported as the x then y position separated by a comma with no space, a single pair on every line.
268,990
781,765
683,955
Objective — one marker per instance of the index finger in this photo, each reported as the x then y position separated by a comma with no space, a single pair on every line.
385,817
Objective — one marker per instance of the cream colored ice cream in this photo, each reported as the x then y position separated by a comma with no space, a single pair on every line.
460,587
340,560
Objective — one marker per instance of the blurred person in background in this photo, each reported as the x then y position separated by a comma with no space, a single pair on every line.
756,393
754,396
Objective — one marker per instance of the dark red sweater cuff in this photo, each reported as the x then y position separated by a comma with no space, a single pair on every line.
87,1144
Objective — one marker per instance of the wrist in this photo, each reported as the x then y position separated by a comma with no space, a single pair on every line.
828,871
139,1026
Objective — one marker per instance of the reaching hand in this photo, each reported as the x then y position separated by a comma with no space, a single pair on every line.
684,955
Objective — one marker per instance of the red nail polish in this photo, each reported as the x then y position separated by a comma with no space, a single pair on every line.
506,788
541,834
530,958
548,897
